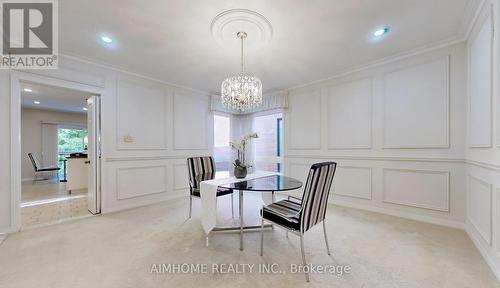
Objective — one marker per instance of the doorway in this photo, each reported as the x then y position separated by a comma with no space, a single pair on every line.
57,163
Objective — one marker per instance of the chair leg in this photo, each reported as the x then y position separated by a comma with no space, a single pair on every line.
262,237
303,256
232,205
326,238
190,205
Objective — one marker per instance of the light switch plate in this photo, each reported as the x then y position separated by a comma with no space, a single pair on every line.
128,139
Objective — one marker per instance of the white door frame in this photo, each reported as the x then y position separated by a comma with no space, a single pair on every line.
16,77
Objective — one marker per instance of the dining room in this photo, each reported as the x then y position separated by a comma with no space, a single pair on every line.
256,144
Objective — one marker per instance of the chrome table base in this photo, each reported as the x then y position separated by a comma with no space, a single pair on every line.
242,227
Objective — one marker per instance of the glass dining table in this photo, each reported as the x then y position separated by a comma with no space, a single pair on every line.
267,184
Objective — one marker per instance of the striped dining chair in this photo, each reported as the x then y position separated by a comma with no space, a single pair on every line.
202,169
299,215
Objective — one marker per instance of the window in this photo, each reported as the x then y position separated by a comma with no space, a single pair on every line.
269,145
72,140
222,150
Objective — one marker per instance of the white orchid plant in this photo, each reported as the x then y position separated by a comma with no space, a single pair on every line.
241,148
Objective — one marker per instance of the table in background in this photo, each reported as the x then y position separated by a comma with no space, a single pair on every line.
77,169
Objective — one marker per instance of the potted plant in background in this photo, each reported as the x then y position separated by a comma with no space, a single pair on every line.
240,165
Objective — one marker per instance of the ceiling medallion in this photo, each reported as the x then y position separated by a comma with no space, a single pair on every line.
243,91
228,23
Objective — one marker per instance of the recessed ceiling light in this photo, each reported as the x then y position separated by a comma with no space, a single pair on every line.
27,90
381,31
85,109
36,102
106,39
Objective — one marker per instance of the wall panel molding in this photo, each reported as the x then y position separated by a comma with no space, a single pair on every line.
480,110
419,115
426,218
355,188
489,166
495,220
139,181
438,190
137,106
349,117
180,176
190,110
377,158
146,158
484,165
305,125
483,212
298,170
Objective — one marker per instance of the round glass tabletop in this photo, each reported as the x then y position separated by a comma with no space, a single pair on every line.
266,184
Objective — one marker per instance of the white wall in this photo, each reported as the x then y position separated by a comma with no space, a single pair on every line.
396,131
31,133
483,136
148,130
5,195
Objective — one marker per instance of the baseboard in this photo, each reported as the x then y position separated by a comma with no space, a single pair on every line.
485,251
406,215
6,231
121,207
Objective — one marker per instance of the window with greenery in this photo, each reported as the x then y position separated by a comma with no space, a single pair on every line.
71,140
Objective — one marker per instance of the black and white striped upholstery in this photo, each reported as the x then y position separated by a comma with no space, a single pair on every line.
315,198
202,169
302,215
285,213
299,216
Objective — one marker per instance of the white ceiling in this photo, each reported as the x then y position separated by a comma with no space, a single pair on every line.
171,40
53,98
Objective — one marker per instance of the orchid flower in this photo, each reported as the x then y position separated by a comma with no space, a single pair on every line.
241,147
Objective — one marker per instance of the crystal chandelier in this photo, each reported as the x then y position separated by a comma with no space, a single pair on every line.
243,91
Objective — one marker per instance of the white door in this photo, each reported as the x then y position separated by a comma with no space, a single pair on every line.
94,154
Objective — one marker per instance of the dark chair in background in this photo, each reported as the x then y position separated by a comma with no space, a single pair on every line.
38,169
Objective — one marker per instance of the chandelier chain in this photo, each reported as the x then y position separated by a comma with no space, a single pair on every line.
241,37
243,91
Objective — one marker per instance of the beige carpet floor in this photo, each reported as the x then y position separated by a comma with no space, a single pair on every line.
120,249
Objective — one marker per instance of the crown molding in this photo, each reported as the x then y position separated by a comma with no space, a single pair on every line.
390,59
114,68
471,15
